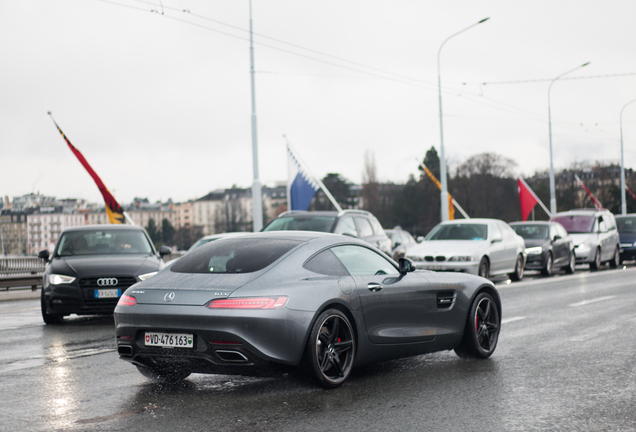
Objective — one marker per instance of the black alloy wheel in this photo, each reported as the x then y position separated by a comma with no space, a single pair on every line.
49,318
517,275
331,348
615,262
164,375
484,268
571,267
596,264
482,328
547,269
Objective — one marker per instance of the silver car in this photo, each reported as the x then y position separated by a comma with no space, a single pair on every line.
485,247
595,236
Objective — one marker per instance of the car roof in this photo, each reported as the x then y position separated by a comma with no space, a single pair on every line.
625,215
533,223
472,221
289,235
582,212
104,227
301,213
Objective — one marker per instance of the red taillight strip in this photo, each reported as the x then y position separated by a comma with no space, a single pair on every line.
249,303
127,300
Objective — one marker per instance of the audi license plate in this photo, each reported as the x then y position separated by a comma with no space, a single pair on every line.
169,340
107,293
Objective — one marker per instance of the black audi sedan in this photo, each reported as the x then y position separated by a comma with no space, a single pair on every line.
548,246
92,265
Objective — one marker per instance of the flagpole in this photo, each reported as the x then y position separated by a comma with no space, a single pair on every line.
316,179
461,210
257,204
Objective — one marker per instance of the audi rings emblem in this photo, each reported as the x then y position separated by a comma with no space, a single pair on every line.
102,282
169,296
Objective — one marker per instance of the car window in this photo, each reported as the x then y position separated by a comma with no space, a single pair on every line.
577,223
506,232
346,226
103,242
531,232
364,227
244,255
302,223
496,234
377,227
326,263
626,224
459,231
360,261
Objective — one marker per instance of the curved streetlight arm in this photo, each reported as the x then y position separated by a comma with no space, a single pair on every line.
553,207
442,159
623,198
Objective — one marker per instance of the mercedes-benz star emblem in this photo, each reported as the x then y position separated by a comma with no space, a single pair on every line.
102,282
169,296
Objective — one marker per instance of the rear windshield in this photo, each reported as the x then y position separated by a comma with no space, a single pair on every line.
102,242
459,232
531,232
626,224
245,255
304,223
576,223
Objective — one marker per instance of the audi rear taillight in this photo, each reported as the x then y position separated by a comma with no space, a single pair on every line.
249,303
127,300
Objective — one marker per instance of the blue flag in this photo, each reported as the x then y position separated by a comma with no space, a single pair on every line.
301,187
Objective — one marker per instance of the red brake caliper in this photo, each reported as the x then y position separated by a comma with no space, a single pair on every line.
476,322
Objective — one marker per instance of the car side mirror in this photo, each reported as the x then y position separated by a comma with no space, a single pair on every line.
44,254
164,250
556,237
397,244
406,265
420,239
496,239
350,235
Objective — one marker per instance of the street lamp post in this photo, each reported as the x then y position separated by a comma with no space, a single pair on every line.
553,207
623,200
442,161
257,204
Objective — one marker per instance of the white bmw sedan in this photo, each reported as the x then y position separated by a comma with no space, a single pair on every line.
485,247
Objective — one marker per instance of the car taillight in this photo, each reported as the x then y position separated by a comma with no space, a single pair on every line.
127,300
249,303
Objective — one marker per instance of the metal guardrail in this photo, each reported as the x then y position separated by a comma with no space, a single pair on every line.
21,271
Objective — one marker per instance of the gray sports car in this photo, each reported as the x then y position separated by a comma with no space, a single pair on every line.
255,303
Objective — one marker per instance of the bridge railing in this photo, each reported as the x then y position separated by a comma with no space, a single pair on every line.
21,272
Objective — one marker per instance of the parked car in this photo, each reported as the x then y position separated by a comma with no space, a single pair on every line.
627,233
265,302
400,241
92,265
353,223
594,234
485,247
547,246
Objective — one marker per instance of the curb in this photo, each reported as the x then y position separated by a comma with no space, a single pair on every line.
19,294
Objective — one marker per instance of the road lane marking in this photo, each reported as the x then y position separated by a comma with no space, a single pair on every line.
513,319
586,302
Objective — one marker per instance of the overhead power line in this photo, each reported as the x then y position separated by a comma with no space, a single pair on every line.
561,79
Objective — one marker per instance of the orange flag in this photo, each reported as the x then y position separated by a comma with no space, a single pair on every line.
451,207
113,209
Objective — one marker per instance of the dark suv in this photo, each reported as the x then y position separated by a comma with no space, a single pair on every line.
354,223
91,267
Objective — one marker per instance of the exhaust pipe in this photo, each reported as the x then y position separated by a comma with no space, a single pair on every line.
231,356
125,350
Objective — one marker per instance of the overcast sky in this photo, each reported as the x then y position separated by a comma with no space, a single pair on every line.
158,99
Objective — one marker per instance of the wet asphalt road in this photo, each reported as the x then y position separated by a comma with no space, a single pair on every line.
566,360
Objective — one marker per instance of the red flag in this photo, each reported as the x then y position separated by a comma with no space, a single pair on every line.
596,202
630,192
527,198
113,209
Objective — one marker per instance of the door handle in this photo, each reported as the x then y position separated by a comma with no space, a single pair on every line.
375,287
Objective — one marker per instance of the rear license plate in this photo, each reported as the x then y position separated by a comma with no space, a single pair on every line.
433,267
169,340
107,293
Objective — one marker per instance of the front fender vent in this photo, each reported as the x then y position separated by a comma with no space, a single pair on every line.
446,299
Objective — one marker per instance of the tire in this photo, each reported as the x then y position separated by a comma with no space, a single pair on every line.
484,268
164,375
596,264
615,262
481,331
517,275
549,263
571,267
330,349
49,318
